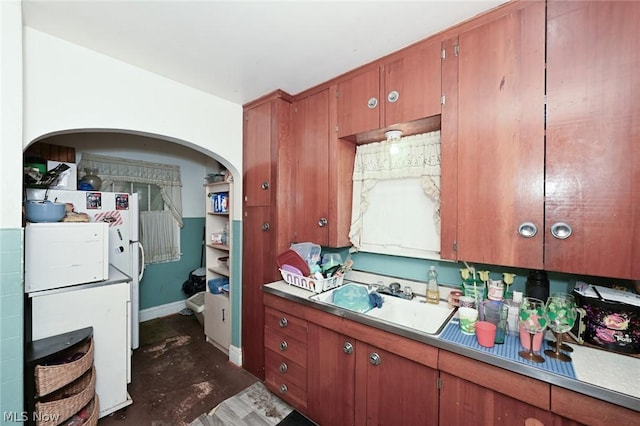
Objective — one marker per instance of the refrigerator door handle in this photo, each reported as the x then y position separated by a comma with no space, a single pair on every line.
141,260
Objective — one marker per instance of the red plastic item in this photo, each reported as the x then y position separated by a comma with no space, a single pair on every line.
292,258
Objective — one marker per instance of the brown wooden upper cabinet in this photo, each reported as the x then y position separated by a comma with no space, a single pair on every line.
257,155
499,131
404,89
324,165
592,189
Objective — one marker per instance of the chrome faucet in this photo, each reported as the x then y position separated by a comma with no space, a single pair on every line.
394,289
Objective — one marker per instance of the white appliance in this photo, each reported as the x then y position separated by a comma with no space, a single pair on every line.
121,212
63,254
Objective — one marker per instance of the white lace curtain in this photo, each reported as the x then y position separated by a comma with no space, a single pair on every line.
415,156
159,234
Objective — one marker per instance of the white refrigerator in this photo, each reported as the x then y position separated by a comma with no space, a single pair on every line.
121,212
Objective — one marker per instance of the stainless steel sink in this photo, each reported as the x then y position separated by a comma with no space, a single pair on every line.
414,314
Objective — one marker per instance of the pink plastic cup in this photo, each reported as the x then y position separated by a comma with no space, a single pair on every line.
485,333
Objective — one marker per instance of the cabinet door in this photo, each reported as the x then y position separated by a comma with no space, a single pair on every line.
257,270
256,155
465,403
311,138
593,128
501,139
398,391
330,379
359,103
217,322
412,85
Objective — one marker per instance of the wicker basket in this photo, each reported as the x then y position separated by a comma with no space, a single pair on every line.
49,378
66,402
94,409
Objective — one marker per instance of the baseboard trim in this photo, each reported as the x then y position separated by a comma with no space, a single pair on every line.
235,355
162,310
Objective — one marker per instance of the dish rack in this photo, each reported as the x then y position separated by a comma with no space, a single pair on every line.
312,284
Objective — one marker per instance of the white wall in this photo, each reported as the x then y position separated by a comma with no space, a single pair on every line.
193,165
10,114
69,87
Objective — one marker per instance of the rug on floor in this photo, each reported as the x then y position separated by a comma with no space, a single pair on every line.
254,406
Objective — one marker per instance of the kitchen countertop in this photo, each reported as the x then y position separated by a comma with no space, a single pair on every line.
600,374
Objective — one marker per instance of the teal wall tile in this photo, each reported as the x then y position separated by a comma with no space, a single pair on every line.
12,398
162,282
11,320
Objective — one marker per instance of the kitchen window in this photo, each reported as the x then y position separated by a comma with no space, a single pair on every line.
396,197
160,190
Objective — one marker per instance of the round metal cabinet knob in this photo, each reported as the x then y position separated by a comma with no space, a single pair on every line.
393,96
265,226
372,103
283,389
322,222
374,358
265,185
283,345
527,230
347,348
561,230
283,322
283,367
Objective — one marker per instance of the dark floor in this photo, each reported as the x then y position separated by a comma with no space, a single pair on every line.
177,375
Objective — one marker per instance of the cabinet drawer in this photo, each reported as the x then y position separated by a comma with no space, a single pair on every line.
286,390
289,348
282,368
286,324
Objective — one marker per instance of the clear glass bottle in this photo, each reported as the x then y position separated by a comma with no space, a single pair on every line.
433,294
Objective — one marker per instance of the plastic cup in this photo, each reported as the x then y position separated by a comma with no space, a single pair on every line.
497,313
466,301
468,318
485,333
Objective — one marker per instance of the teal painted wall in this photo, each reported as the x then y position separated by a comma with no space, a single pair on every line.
449,272
162,282
11,321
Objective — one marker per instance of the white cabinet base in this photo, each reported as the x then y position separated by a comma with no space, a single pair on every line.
105,308
217,321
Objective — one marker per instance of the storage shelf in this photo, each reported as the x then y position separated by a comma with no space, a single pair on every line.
220,270
219,246
218,214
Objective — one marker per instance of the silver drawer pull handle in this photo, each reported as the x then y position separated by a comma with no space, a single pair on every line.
283,389
283,367
561,230
372,103
347,348
322,222
374,359
527,230
283,345
393,96
265,185
283,322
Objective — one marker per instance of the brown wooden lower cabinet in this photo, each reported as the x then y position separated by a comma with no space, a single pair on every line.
380,378
590,411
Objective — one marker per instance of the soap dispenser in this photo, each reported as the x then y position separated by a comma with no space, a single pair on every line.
433,293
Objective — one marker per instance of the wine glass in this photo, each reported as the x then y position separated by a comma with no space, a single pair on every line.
532,318
561,315
563,346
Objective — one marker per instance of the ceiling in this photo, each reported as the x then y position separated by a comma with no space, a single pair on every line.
240,50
